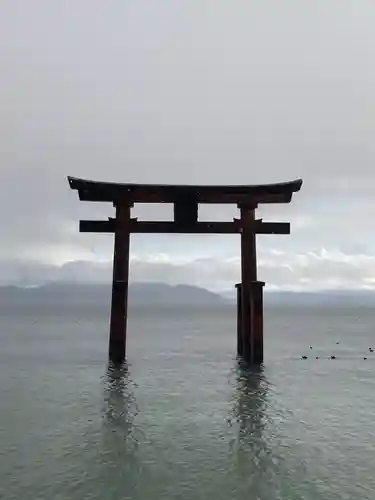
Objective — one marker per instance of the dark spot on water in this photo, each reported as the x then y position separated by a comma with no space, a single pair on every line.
310,347
304,357
337,342
364,358
333,357
317,357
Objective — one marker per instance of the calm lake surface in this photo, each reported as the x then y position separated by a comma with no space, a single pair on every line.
183,421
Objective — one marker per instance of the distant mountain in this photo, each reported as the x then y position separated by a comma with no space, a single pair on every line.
161,293
158,294
329,298
164,295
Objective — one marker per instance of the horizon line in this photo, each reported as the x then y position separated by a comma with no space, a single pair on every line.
267,290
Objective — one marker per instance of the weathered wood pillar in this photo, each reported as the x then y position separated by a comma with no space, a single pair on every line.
248,276
257,321
119,306
239,320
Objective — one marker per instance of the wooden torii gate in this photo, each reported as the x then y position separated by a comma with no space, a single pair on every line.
186,200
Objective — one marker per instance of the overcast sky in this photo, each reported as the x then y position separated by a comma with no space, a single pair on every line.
189,91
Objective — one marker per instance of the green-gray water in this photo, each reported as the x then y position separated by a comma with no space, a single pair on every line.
184,421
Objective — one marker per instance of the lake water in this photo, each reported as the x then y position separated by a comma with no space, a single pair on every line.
183,420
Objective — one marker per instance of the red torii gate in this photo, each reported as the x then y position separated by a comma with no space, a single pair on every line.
186,199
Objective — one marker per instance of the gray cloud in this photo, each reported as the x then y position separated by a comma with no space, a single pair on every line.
314,270
188,91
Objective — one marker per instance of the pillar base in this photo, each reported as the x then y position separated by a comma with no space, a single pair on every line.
250,322
239,320
257,321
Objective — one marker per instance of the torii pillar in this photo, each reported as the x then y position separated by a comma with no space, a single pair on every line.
120,283
249,292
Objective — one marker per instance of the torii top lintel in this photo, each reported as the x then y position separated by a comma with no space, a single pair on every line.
89,190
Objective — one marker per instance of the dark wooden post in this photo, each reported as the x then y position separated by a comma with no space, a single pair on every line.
248,276
239,320
257,321
117,335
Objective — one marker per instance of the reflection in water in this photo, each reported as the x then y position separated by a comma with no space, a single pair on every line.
119,412
251,398
120,403
256,457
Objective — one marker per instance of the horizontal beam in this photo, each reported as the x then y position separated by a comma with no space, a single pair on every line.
89,190
167,227
273,228
197,228
203,198
97,226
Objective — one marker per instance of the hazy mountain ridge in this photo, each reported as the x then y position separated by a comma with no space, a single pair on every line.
327,298
139,294
162,294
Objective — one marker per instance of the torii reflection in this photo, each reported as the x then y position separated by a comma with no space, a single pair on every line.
119,411
253,448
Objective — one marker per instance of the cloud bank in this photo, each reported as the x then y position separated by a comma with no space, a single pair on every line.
312,271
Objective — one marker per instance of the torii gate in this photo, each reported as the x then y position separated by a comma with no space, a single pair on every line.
186,200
